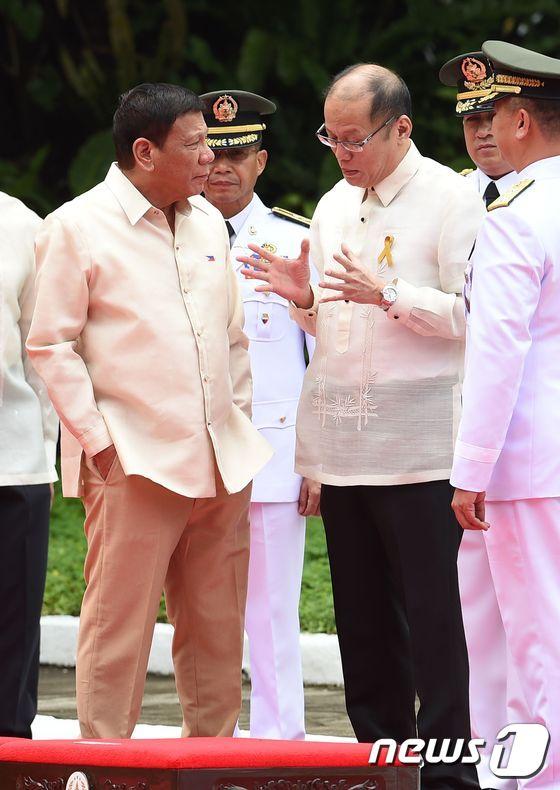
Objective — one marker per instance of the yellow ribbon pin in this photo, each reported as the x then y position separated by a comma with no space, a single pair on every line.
386,251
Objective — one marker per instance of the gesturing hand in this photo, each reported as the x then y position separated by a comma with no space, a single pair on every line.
286,277
469,509
356,283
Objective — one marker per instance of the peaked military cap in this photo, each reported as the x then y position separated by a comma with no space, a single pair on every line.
472,74
522,72
235,118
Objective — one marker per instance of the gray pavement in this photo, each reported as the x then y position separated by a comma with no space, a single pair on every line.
324,705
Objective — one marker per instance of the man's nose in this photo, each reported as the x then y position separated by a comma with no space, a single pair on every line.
341,153
221,163
485,128
206,155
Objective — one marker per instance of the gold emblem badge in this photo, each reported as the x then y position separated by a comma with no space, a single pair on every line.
225,108
473,69
269,247
264,318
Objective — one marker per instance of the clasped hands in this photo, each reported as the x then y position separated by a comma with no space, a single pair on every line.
290,277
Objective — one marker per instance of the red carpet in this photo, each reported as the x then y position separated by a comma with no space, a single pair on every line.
198,764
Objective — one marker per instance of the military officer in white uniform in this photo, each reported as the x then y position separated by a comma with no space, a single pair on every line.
484,630
507,457
281,499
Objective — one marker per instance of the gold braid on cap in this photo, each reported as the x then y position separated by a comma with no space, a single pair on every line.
251,127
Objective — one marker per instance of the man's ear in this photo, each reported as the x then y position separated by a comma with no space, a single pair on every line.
262,158
143,152
403,126
523,124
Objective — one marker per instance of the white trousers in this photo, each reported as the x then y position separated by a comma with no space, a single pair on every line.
272,620
492,677
523,545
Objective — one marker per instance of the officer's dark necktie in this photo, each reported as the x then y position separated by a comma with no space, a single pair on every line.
490,193
230,230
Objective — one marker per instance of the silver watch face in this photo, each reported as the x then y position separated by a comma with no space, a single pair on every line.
389,294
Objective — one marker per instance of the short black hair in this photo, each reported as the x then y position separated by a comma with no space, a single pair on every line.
545,111
149,110
389,92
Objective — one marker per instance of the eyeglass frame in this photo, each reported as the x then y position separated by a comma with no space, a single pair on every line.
332,143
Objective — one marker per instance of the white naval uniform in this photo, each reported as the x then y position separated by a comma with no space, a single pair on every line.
276,349
509,437
484,630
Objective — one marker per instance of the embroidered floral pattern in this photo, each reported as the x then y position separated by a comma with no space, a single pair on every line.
361,405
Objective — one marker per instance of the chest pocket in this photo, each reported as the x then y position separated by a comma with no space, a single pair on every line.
266,316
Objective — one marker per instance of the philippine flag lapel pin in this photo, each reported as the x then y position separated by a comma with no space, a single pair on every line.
210,258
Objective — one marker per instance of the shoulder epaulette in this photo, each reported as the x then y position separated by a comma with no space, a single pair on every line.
510,195
285,214
466,171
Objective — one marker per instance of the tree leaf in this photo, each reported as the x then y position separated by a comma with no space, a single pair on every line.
92,161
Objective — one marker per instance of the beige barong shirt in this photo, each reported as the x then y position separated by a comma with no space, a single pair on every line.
138,335
381,397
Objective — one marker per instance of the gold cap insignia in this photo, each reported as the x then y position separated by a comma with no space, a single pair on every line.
225,108
269,247
474,70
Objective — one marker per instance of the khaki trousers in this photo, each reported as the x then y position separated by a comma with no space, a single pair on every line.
142,539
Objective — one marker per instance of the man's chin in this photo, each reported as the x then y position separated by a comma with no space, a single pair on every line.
355,178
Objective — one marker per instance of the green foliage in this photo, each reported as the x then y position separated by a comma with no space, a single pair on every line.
316,603
67,548
64,63
91,162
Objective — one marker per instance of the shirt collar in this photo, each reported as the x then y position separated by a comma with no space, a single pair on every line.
238,220
392,184
502,183
543,168
131,200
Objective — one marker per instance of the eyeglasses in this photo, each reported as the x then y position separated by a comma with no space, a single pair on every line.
234,154
348,145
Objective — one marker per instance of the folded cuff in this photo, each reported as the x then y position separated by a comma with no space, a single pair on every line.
404,302
95,440
471,475
472,452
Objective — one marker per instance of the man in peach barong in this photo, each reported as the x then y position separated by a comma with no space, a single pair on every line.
138,335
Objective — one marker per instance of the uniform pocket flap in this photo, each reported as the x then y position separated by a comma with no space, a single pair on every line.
275,414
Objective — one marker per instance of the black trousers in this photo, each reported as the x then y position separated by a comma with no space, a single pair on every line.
24,534
393,558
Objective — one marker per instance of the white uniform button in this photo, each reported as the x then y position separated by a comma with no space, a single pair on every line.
205,378
282,419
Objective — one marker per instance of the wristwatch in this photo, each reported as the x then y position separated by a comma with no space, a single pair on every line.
388,296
